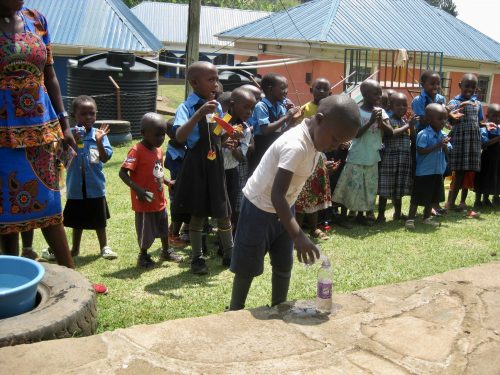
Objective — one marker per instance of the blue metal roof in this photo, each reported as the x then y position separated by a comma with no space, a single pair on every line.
380,24
100,24
169,21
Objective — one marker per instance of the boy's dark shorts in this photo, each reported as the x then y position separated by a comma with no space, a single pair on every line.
149,226
260,232
427,190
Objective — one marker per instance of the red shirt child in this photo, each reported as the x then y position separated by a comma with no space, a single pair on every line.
146,170
142,171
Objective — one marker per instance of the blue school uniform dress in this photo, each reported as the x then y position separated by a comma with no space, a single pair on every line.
428,185
86,206
465,136
487,181
264,113
421,101
395,175
200,186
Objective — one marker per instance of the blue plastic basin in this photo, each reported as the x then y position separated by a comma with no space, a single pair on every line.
19,278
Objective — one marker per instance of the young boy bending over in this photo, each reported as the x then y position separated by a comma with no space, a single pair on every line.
271,191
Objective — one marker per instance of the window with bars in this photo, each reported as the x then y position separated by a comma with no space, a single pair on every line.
483,85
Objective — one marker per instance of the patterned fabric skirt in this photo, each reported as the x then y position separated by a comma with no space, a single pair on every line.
466,152
357,187
395,178
29,189
316,194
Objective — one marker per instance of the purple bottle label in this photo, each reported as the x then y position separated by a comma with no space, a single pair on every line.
324,290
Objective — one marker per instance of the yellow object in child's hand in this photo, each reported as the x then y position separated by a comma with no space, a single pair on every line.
218,129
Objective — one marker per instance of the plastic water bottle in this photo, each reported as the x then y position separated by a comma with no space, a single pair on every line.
325,287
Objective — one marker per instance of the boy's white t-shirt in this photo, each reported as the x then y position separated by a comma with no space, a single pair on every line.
293,151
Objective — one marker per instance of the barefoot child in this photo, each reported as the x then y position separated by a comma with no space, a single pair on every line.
142,171
316,194
270,117
357,185
395,178
270,193
200,189
465,137
488,180
86,206
432,146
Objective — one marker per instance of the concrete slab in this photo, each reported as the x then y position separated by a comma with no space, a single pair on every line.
444,324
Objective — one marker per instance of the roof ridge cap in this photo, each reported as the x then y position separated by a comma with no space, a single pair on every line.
137,35
329,20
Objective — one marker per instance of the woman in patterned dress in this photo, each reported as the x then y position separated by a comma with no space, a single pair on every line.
33,126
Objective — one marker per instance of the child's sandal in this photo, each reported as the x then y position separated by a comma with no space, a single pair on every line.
410,224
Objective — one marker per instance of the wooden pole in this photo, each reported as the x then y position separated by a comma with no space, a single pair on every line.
193,37
118,99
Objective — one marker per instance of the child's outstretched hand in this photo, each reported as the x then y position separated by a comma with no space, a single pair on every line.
208,107
294,113
490,126
307,251
229,143
376,116
101,132
456,114
333,165
413,122
466,103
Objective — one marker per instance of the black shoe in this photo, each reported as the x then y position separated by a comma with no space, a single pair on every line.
198,266
496,201
145,261
204,248
364,221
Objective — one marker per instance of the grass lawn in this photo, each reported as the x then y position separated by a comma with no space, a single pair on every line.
174,94
361,258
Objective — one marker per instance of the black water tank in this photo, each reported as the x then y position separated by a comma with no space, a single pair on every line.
136,76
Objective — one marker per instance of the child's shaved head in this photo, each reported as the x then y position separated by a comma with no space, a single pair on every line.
337,121
242,93
254,90
469,77
321,80
368,85
493,113
434,108
197,68
341,107
152,120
